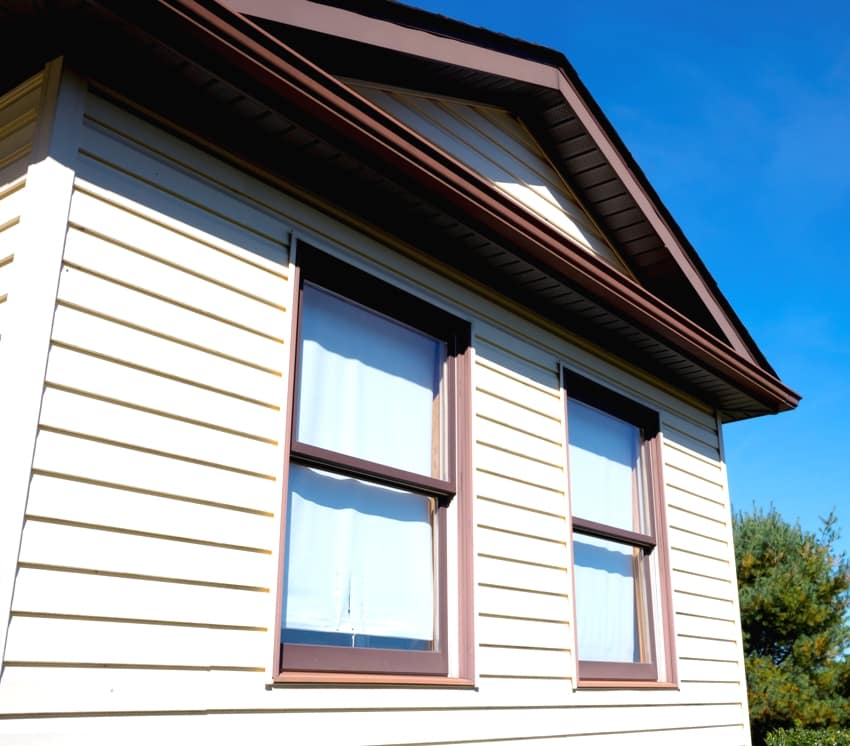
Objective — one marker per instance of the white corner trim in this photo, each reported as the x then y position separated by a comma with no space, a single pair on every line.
32,303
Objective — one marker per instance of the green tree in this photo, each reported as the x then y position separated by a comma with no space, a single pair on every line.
794,590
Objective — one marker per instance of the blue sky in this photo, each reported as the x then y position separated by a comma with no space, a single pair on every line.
739,114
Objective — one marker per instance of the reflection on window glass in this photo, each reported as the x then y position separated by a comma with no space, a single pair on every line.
359,563
603,452
607,587
368,385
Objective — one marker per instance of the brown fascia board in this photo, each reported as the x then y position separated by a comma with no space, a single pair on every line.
338,110
412,31
681,250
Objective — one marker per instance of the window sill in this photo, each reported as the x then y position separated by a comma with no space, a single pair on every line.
359,679
600,684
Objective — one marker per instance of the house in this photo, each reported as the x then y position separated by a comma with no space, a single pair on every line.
357,388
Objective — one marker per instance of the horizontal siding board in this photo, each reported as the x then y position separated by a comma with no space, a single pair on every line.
520,547
492,630
421,726
12,204
148,350
21,99
180,245
685,602
697,563
203,203
512,602
492,380
6,277
684,480
16,145
74,413
82,594
497,571
680,500
233,181
51,640
517,358
96,255
706,586
57,453
517,661
698,544
501,408
105,689
689,445
69,500
703,430
83,372
133,306
709,670
501,433
121,553
697,626
702,647
710,471
698,524
502,461
519,491
531,523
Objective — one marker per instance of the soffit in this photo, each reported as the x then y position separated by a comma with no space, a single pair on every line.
433,53
155,58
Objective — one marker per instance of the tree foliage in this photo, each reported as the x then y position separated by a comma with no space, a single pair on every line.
794,590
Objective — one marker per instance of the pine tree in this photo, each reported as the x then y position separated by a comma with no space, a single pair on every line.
794,590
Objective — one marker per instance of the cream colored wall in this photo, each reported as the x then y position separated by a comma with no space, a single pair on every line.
147,569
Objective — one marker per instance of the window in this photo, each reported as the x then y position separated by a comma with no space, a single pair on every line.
620,576
376,446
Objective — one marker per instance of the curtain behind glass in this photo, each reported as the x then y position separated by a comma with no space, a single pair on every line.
606,620
603,452
368,384
359,558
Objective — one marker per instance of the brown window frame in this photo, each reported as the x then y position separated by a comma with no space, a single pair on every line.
295,662
646,672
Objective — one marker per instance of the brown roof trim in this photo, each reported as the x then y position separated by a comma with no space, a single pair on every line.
339,109
548,69
371,30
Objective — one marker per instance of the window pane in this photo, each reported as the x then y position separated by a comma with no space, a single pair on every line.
369,385
609,600
603,467
359,563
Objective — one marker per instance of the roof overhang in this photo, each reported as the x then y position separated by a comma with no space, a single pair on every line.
256,91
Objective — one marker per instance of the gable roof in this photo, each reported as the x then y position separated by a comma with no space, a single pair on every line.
267,87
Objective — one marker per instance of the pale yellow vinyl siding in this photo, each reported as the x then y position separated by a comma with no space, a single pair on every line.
11,197
148,565
19,112
497,146
152,516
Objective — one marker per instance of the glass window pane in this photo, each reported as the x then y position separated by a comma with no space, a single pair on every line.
609,600
369,386
359,563
603,453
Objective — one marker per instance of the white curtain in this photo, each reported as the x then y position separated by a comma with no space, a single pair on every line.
359,559
367,384
606,620
603,463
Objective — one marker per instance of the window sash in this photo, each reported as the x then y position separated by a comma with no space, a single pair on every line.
369,387
638,621
641,537
358,287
